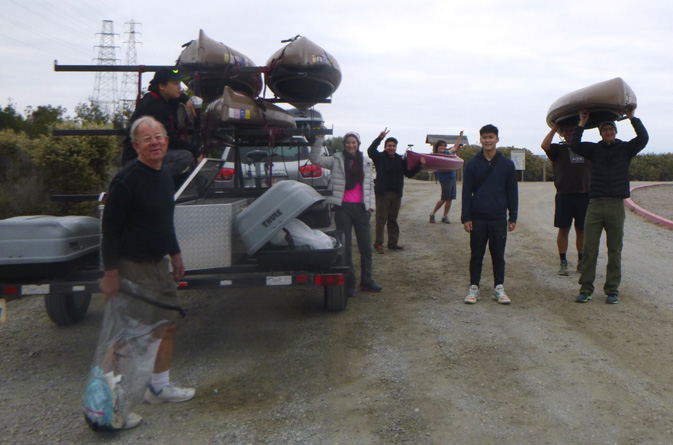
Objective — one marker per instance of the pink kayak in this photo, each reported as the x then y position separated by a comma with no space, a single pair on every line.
433,162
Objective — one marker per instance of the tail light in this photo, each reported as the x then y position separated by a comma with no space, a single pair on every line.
225,174
329,279
310,171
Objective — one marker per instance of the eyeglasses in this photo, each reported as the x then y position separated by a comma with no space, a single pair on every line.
148,139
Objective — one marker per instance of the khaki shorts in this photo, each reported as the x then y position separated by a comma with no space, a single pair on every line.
156,283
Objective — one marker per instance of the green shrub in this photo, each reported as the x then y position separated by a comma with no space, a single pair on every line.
75,165
21,190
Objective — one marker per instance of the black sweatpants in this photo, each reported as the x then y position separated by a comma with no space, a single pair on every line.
494,233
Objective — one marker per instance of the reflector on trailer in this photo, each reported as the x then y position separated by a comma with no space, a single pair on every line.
329,280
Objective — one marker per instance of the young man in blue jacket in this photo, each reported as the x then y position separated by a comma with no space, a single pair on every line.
610,161
490,191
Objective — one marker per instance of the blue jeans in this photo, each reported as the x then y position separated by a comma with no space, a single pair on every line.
349,216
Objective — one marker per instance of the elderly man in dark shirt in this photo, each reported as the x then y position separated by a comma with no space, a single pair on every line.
138,237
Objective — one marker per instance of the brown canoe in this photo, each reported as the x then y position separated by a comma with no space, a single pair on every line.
218,66
607,100
238,110
302,73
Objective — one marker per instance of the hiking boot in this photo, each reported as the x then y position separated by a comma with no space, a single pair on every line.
563,270
432,219
379,249
445,220
583,297
472,294
132,421
371,287
500,296
612,299
170,393
579,267
396,247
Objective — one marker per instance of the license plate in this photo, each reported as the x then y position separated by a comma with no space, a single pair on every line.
284,280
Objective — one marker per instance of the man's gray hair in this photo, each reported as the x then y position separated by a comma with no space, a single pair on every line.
144,120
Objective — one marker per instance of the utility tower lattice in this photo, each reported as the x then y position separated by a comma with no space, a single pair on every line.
105,86
129,91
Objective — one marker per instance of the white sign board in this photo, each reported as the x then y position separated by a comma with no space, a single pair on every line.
519,159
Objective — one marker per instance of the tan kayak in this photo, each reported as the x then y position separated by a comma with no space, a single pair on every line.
238,110
302,73
607,100
218,66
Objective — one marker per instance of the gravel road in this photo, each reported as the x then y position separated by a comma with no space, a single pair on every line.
413,364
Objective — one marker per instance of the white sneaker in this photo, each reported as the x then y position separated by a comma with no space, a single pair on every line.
132,420
500,296
472,294
170,393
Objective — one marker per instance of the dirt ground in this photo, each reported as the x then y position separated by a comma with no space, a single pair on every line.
412,364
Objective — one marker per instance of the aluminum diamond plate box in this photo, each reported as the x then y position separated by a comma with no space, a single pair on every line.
206,235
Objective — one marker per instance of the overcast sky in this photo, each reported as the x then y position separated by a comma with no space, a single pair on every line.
417,68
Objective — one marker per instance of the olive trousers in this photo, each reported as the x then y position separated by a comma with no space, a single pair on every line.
603,214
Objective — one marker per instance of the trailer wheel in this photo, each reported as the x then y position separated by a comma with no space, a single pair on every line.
66,309
335,298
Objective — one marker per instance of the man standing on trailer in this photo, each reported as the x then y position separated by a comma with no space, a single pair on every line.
138,238
162,102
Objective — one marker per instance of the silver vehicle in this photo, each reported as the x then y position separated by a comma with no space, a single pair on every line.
288,160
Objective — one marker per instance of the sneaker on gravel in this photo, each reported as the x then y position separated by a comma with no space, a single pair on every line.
612,299
170,393
132,421
563,270
500,296
432,219
445,220
472,294
379,249
583,297
371,287
396,247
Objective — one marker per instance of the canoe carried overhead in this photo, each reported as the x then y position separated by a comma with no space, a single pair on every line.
434,162
218,66
239,110
607,100
302,73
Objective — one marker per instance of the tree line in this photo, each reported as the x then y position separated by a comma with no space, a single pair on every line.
36,165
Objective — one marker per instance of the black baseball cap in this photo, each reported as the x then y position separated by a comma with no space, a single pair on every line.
164,75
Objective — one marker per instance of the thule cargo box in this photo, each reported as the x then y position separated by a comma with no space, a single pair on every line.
270,214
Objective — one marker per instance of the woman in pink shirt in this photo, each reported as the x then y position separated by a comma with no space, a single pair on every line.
352,184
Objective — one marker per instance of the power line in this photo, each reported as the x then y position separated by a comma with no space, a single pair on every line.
105,86
130,80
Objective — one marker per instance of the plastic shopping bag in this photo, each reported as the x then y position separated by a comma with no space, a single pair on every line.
302,236
123,362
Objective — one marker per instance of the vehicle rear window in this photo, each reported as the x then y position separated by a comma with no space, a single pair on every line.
283,153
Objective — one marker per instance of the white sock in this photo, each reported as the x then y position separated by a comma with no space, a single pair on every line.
160,380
